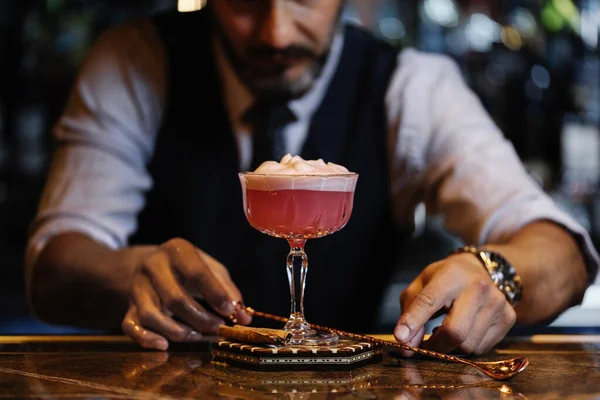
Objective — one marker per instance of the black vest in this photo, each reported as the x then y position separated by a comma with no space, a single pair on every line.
197,195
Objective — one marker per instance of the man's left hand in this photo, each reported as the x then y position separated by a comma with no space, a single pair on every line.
479,316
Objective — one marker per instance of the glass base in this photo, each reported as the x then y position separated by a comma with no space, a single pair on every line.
313,338
303,335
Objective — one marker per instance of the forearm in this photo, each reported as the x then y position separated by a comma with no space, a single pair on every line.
77,281
552,270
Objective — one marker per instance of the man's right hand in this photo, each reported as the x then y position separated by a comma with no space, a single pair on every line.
165,285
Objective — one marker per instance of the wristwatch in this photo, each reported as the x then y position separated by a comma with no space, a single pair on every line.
502,272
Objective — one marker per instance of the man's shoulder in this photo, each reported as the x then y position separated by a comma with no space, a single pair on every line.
422,71
133,43
151,31
355,33
409,59
418,63
127,38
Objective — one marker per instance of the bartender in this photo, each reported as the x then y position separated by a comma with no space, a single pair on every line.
141,226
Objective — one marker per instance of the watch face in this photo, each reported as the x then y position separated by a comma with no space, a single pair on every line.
505,277
503,267
501,276
501,271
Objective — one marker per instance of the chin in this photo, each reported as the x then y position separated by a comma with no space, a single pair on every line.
287,86
280,90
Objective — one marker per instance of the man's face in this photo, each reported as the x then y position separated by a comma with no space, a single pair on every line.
277,47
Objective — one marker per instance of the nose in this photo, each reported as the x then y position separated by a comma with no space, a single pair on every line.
277,30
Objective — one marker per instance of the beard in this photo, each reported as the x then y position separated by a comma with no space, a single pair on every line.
259,70
273,83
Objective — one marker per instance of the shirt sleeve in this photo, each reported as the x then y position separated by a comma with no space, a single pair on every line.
448,154
105,137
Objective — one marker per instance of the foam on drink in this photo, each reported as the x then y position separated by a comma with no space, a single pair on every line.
296,165
295,173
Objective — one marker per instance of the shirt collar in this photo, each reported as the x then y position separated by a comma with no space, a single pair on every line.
305,106
238,98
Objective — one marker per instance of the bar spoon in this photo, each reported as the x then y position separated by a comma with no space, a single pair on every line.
498,370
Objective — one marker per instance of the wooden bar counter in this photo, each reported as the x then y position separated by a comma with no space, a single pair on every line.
112,367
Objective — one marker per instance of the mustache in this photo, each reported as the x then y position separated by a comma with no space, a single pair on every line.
267,52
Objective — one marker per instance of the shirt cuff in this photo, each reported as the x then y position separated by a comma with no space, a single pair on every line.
43,231
505,222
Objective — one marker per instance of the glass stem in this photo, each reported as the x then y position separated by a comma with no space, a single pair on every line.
297,267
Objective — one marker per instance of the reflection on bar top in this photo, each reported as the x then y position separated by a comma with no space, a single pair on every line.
124,339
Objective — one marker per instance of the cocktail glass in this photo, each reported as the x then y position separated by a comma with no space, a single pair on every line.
298,208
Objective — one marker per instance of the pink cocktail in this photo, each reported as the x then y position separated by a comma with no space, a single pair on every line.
298,213
297,208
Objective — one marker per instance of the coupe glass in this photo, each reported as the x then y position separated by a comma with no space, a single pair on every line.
298,208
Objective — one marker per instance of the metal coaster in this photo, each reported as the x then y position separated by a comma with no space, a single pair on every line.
344,356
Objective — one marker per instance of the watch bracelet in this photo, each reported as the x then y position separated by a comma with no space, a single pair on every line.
513,289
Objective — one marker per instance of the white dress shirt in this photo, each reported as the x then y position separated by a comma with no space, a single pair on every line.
444,149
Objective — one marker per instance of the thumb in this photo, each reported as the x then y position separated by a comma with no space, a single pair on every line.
415,341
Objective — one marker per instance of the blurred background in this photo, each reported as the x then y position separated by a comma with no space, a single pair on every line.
535,64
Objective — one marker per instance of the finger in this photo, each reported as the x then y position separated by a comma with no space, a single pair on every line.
485,321
407,296
498,331
223,276
419,282
460,325
426,303
405,394
414,342
199,268
152,317
132,327
174,298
